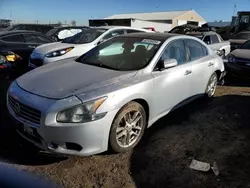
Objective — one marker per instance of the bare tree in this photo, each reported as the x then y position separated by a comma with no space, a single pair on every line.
73,23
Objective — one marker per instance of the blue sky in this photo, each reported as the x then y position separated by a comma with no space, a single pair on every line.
82,10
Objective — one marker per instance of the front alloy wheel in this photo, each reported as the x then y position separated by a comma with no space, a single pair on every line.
212,84
128,127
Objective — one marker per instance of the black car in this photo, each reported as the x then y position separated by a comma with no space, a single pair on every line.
238,61
60,33
42,28
18,45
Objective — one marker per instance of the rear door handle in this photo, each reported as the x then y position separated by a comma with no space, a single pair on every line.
210,64
188,72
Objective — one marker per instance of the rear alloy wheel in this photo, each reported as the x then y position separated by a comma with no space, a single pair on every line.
128,127
212,84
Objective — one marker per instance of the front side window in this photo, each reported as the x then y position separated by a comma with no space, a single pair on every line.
175,50
13,38
195,49
36,39
207,39
122,53
214,39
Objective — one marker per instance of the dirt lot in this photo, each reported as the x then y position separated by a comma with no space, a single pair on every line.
217,130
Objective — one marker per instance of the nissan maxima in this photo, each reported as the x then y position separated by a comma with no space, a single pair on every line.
106,98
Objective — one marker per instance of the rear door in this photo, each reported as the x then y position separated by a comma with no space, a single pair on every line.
202,65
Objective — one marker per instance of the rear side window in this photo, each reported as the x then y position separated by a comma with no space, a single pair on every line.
36,39
214,39
13,38
175,50
195,49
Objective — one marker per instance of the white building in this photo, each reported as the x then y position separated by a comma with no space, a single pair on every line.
161,21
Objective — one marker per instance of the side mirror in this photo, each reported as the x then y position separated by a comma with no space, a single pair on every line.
168,63
100,41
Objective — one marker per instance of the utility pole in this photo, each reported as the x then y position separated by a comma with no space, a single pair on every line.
234,9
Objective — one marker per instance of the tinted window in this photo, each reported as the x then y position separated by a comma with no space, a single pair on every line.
246,45
195,49
113,34
207,39
36,39
214,39
175,50
13,38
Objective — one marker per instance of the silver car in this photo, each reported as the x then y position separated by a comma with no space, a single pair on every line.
106,98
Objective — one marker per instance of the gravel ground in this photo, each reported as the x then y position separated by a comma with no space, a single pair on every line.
216,130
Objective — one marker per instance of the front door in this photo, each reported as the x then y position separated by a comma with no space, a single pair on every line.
172,85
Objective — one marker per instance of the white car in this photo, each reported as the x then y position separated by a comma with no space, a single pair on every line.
77,45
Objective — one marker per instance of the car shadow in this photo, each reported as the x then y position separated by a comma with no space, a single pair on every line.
216,130
236,81
12,148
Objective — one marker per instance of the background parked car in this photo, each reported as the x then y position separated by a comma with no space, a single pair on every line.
30,27
60,33
214,41
108,98
78,44
238,61
22,43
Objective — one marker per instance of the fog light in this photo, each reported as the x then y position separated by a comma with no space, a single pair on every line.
52,146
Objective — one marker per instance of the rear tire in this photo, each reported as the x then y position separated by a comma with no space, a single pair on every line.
128,127
211,86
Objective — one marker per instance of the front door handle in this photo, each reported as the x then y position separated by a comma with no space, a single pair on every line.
210,64
188,72
30,46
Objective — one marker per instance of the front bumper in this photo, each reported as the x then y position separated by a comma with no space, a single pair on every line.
236,70
71,139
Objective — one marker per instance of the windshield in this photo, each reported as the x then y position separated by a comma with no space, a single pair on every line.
86,36
122,53
8,28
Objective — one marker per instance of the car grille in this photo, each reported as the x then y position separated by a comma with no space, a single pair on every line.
37,62
23,111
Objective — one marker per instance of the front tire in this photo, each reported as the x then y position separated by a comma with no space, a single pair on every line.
128,127
211,86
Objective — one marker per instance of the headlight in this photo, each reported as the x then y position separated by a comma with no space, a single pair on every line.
3,60
59,52
82,113
231,59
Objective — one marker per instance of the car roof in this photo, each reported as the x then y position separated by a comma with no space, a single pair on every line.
65,27
17,32
201,33
121,27
153,36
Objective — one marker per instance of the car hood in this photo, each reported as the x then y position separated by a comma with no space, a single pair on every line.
51,47
66,78
240,53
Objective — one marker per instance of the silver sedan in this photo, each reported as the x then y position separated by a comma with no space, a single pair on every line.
106,98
